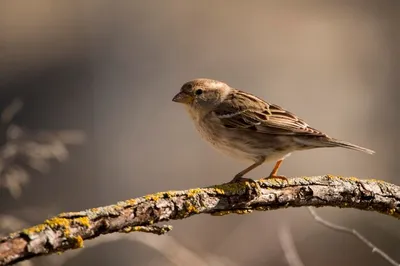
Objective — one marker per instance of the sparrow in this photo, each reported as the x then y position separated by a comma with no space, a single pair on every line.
248,128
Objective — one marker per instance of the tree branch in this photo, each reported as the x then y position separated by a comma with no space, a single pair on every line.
355,233
69,230
289,248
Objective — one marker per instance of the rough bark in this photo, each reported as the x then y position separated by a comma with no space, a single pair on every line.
69,230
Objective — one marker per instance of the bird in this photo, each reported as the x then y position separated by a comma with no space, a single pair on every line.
246,127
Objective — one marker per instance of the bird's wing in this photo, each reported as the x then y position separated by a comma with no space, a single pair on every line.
244,111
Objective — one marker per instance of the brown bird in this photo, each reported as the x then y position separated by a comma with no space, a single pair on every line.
247,127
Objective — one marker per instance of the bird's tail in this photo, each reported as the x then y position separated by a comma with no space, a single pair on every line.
340,143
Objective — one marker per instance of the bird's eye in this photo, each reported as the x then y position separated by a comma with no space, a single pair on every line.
198,91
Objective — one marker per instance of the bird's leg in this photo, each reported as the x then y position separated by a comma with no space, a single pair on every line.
274,172
239,176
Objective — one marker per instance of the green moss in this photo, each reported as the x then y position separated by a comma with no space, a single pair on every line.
231,188
275,182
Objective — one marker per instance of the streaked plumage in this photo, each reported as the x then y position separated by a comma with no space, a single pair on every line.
246,127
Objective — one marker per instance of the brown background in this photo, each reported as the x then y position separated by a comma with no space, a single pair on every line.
111,69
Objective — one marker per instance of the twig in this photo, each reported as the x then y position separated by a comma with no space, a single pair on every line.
22,149
288,247
354,233
69,230
11,110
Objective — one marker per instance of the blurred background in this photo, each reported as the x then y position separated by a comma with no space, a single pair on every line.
109,69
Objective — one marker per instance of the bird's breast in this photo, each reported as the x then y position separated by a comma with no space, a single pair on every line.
240,144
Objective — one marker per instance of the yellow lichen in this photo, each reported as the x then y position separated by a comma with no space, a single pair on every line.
348,179
241,212
56,222
84,221
147,229
149,197
192,192
155,196
127,229
377,181
34,229
219,191
223,213
190,208
169,194
277,181
131,201
262,208
64,225
78,242
136,229
354,179
118,208
125,203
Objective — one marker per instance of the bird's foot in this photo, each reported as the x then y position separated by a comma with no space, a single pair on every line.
240,178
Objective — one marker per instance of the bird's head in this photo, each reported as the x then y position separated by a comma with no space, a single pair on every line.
202,95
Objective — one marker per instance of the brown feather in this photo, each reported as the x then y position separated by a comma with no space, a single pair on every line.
245,111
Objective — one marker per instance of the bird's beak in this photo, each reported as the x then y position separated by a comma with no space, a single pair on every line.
182,97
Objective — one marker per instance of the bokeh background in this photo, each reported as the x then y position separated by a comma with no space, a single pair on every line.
111,68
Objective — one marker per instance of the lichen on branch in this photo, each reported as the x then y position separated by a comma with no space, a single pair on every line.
69,230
